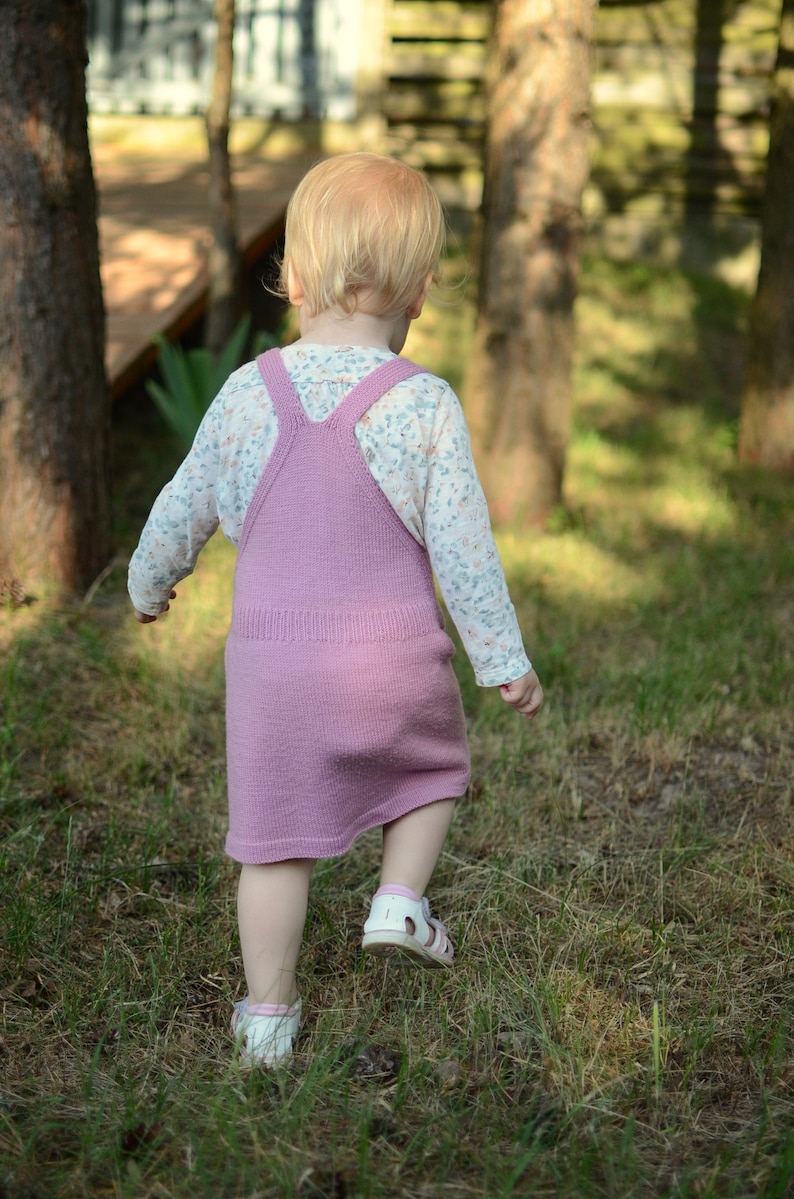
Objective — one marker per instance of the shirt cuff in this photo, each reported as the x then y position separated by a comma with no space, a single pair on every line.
496,676
146,606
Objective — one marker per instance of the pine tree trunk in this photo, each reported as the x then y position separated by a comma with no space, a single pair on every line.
537,163
766,431
224,261
54,400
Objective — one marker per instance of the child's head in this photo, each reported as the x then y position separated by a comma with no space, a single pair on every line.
363,232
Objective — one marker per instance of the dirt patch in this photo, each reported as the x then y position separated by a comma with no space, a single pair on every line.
726,785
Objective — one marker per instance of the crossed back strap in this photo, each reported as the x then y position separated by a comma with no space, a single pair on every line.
351,409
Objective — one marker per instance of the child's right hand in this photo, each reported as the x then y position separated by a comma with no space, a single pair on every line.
147,618
524,694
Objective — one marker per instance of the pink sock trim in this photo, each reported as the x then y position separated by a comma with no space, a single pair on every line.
269,1009
398,889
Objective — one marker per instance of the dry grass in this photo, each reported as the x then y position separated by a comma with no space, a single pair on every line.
620,878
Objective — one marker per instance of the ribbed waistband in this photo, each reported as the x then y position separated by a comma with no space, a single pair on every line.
381,624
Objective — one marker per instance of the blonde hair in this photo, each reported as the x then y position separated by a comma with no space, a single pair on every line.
363,231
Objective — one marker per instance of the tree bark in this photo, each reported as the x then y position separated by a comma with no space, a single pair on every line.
54,399
224,260
536,166
766,429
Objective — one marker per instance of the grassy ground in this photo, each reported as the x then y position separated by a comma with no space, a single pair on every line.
620,878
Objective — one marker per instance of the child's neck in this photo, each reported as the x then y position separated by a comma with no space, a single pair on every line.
335,328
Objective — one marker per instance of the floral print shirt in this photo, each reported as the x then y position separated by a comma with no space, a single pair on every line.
416,444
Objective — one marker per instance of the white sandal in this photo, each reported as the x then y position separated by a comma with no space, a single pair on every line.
264,1032
400,923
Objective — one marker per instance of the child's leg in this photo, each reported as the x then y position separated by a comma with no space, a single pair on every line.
411,845
271,909
399,919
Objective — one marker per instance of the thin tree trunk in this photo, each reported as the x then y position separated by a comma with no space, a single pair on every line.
537,163
224,260
766,430
705,148
307,25
54,401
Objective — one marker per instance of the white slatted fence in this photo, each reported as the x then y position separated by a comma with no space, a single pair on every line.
293,58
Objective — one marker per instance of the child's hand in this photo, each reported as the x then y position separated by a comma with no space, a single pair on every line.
146,618
524,694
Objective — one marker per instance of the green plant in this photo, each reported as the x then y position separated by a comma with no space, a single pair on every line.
192,378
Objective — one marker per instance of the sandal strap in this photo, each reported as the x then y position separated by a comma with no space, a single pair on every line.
393,905
439,928
265,1031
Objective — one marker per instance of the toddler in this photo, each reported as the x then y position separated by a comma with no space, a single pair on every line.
344,475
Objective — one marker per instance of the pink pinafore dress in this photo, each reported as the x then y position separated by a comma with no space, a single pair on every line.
343,712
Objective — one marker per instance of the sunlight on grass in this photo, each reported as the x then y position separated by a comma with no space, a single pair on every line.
571,568
637,490
190,637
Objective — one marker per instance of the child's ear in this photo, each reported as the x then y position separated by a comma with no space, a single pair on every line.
294,289
415,309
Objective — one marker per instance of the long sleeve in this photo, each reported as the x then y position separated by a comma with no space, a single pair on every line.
464,555
183,518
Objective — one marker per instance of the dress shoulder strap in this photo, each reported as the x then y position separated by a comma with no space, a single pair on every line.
283,395
359,399
372,387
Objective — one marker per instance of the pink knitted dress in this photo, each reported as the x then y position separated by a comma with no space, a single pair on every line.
342,708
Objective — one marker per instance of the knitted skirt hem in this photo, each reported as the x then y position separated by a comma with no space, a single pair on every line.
285,849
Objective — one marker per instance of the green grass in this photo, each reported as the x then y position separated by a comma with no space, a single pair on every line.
620,878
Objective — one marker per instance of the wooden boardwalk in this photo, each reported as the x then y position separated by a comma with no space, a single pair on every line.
154,235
